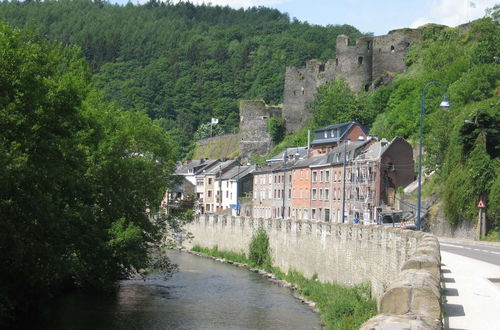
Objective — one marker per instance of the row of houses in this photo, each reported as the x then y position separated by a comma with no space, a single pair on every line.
342,172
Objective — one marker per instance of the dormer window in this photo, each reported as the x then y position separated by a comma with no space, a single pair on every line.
325,134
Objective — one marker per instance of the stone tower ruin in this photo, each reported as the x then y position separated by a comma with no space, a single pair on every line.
367,64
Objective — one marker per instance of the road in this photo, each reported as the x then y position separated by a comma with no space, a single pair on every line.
471,281
486,253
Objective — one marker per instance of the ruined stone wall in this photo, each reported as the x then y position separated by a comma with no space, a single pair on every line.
369,63
254,137
354,63
341,253
389,52
299,90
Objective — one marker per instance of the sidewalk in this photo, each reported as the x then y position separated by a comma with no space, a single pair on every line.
472,300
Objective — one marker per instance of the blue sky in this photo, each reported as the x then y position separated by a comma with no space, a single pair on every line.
378,16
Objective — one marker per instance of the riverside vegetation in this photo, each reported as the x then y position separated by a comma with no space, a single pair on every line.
340,307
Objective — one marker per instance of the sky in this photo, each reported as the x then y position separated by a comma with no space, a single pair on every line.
377,16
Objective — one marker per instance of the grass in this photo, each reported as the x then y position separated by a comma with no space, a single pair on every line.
492,236
228,255
221,147
340,307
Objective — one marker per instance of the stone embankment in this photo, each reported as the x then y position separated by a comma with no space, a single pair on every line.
403,267
413,300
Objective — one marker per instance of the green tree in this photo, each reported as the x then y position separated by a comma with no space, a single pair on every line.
80,178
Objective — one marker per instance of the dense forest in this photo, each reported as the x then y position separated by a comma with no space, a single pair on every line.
181,63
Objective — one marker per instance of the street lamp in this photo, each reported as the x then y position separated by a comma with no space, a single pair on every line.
445,104
285,156
238,206
343,179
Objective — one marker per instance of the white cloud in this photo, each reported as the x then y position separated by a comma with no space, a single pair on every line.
454,12
237,3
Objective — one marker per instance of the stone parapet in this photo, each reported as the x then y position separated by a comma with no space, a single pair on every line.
413,300
403,267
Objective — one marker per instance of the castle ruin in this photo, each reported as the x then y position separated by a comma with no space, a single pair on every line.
369,63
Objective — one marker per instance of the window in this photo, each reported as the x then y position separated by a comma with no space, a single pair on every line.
360,60
289,193
325,134
210,193
306,214
327,194
315,176
320,176
314,194
209,180
327,215
321,194
313,213
327,176
199,182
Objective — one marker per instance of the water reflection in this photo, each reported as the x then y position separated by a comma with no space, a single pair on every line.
204,294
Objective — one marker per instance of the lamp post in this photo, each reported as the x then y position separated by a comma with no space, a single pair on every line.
343,180
443,105
238,191
285,156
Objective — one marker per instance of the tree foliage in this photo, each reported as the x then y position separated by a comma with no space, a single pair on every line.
79,177
181,63
276,128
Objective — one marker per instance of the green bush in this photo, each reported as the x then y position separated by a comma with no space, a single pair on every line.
276,128
259,251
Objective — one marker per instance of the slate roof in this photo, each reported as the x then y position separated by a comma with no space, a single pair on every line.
334,133
294,152
194,166
219,167
238,171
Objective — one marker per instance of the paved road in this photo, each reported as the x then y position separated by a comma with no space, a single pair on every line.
471,281
484,253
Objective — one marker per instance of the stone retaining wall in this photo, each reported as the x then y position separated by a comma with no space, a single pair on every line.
403,267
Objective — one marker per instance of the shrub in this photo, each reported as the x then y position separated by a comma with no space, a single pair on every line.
259,253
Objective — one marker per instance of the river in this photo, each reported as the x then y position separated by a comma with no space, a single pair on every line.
203,294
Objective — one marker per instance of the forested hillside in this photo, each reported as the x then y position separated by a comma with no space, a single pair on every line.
462,143
181,63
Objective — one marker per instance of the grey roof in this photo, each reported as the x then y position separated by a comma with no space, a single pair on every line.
219,167
334,133
194,166
339,150
238,172
293,152
311,161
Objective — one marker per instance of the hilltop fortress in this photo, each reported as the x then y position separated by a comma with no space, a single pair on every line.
367,64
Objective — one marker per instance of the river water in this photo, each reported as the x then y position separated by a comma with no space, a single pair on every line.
203,294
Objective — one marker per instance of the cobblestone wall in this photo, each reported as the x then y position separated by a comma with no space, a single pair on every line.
341,253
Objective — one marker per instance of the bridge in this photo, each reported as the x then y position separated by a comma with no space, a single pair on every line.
403,267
